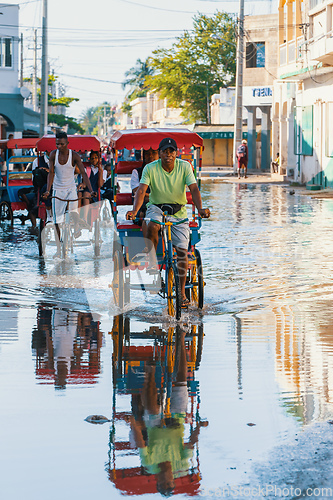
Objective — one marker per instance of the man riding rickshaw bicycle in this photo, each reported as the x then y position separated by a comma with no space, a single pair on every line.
65,163
174,252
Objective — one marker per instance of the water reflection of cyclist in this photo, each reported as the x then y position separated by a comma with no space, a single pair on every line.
67,345
164,452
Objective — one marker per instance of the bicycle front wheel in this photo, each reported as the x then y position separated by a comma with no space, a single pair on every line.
40,237
65,241
118,278
173,291
97,238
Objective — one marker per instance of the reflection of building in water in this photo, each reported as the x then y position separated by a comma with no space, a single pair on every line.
67,347
304,364
8,324
154,373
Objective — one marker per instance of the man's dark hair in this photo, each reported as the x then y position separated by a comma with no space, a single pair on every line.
61,135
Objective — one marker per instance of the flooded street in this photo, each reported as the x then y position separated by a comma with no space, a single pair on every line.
257,364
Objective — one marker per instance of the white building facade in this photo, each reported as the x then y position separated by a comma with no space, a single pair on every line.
303,102
14,117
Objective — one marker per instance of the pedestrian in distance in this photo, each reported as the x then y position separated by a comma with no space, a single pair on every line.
242,156
276,163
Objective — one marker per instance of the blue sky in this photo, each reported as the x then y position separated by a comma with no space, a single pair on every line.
101,39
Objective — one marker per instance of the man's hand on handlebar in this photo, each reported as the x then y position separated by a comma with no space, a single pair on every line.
204,213
131,215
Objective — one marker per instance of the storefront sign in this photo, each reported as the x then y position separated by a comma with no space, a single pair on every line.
257,96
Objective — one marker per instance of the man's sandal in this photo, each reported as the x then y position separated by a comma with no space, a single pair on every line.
185,303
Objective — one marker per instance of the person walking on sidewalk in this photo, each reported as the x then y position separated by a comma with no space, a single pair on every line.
242,156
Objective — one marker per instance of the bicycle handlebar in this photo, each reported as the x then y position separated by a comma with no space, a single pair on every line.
174,223
61,199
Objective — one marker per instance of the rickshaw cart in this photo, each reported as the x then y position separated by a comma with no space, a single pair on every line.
79,144
190,146
12,182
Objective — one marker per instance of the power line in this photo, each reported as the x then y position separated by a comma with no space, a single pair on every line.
90,79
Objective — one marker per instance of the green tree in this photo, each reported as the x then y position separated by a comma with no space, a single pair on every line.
136,78
197,65
90,118
59,119
73,126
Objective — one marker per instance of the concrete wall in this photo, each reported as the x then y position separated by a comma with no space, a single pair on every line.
262,29
217,153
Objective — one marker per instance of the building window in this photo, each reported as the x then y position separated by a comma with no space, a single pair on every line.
6,57
255,55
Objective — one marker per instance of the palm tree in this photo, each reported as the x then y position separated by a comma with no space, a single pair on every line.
136,77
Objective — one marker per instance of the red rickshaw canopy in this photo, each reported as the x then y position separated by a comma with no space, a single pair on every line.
75,142
151,137
25,143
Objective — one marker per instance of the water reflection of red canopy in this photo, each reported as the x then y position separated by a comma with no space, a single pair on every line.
151,137
76,142
79,376
134,482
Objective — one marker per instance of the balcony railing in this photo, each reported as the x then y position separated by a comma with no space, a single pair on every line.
291,52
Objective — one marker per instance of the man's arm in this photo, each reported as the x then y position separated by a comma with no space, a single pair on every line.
136,429
100,176
138,200
196,197
79,164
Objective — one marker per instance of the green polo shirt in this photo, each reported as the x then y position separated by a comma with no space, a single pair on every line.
168,187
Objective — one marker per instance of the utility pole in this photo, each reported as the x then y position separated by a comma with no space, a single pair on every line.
34,75
208,105
45,76
239,83
21,75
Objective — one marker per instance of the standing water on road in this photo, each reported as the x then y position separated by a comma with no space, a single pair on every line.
81,390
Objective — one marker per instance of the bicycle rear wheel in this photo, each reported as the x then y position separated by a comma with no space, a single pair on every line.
173,291
65,245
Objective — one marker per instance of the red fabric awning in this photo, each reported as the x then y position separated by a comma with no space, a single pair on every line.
27,143
75,142
151,137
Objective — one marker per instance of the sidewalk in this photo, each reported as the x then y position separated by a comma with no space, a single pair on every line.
226,174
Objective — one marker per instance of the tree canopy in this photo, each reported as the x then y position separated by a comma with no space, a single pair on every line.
196,66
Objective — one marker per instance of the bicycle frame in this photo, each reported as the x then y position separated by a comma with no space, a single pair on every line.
169,257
